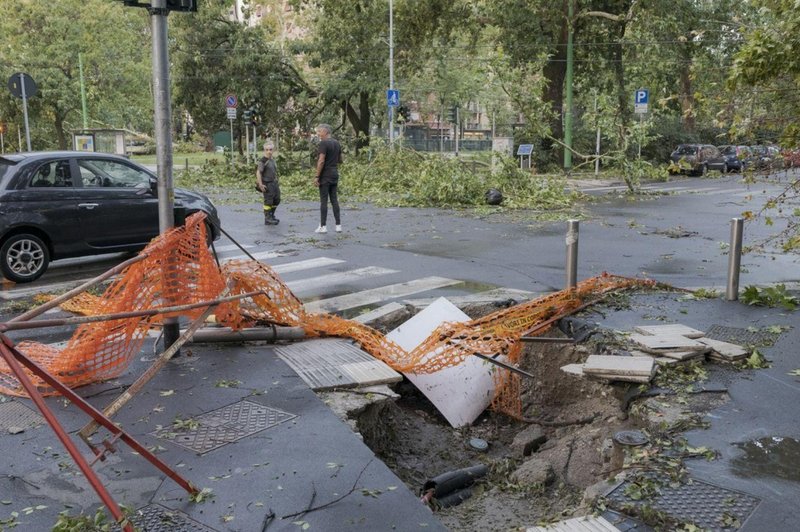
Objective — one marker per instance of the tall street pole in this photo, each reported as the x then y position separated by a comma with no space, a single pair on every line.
163,130
391,69
568,116
83,93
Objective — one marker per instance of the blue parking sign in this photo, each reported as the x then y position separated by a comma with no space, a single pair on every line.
642,96
393,97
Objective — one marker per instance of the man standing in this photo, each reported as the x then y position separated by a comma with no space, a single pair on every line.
330,155
267,183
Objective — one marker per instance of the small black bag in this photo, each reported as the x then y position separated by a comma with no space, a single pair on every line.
494,197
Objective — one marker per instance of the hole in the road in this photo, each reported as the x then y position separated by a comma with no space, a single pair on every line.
773,456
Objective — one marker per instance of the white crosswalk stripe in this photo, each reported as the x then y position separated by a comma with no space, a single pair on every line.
378,295
304,286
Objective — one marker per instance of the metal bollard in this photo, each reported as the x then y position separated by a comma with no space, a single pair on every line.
572,253
187,165
734,259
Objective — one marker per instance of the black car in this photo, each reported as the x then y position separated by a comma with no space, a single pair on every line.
737,158
55,205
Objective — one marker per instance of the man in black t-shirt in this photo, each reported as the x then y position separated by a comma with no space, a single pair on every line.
327,179
267,183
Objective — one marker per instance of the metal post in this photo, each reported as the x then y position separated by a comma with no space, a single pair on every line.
568,82
572,253
163,131
597,142
84,112
391,68
2,141
231,142
734,259
247,143
25,111
458,125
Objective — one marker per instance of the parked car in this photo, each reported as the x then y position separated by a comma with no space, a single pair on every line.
791,157
767,157
736,157
55,205
700,157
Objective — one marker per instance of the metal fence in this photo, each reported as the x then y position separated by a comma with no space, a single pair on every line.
446,145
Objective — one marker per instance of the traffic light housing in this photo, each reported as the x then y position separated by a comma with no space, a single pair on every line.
2,128
404,112
182,5
451,114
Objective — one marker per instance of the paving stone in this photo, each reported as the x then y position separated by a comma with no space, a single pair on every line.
666,341
573,369
724,349
669,330
639,366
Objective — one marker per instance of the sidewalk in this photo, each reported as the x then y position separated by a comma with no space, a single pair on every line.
755,430
270,445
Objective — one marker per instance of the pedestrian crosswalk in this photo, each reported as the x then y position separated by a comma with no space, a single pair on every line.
325,284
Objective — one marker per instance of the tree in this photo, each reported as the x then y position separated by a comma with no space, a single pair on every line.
215,55
44,40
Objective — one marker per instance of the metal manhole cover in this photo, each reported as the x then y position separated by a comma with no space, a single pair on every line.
15,415
705,505
225,425
156,518
743,337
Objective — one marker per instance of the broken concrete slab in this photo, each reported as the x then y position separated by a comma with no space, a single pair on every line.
669,330
677,356
573,369
490,296
617,366
528,441
462,392
348,405
670,341
535,471
724,350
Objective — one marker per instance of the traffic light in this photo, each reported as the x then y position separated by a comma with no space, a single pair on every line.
451,114
182,5
404,112
2,128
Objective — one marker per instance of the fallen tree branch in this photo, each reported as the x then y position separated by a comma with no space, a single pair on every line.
544,423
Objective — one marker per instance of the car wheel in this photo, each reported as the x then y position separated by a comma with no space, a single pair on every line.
24,258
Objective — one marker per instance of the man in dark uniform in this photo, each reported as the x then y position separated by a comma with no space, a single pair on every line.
267,182
327,178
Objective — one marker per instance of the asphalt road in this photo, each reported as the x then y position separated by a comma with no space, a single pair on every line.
677,233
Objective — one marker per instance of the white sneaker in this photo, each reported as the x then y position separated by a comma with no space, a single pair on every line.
321,229
338,228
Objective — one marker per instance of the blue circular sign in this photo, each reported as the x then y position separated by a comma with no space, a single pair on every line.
231,101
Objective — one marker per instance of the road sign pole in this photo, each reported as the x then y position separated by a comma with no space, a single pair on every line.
231,121
391,70
25,110
247,143
163,131
2,143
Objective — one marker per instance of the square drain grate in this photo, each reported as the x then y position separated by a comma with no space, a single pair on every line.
225,425
743,337
156,518
15,416
705,505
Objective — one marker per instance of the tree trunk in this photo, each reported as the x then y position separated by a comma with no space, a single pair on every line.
60,134
687,95
359,120
555,72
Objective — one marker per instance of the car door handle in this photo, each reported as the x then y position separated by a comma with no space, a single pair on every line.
88,206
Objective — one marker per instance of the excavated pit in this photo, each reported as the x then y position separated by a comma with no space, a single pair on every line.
575,418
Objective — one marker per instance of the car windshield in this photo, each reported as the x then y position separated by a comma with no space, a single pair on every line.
684,149
729,150
4,167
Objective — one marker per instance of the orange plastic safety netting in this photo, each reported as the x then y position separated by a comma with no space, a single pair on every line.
179,269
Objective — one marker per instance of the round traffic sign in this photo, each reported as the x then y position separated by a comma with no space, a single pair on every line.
16,81
231,100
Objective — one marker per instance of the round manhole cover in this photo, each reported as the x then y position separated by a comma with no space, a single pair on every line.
631,437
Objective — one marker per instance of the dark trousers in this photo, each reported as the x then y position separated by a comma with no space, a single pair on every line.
328,190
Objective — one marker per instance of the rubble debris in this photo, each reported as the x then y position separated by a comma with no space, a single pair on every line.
536,471
617,368
528,441
724,351
669,330
666,341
